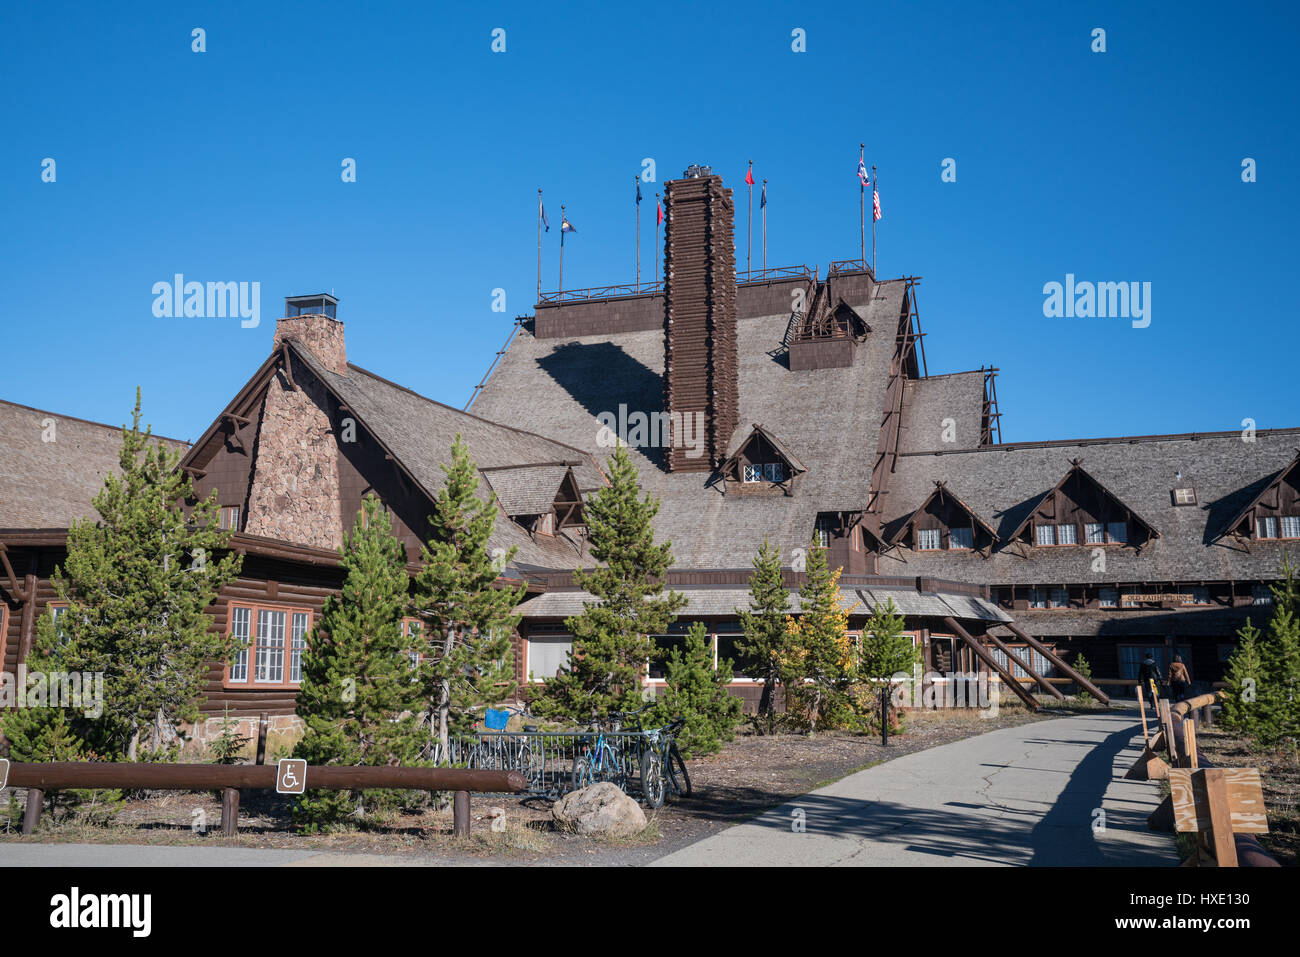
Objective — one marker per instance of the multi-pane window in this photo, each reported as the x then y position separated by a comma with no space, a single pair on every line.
927,539
413,628
1108,597
1094,533
1291,526
1067,534
764,472
1266,527
1060,598
56,614
1046,534
1099,533
269,644
961,538
229,517
1200,595
1184,496
774,471
297,644
753,473
240,630
1117,532
822,531
1037,598
1130,657
1262,594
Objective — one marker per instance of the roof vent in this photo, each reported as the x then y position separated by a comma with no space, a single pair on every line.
695,172
321,304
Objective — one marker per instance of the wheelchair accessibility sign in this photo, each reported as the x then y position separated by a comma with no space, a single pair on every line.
291,776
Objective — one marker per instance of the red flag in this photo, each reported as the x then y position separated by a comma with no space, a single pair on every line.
749,175
875,205
659,207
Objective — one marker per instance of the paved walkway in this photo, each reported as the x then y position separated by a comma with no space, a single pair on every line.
1024,795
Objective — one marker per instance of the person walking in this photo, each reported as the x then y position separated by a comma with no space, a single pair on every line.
1149,676
1180,680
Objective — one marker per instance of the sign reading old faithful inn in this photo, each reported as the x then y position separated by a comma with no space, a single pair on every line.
779,404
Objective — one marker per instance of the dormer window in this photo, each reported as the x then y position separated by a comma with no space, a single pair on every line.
1081,511
961,538
928,539
761,462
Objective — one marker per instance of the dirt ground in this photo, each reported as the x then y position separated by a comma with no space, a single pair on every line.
752,773
1279,771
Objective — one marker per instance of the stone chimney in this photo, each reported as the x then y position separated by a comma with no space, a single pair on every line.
313,322
701,365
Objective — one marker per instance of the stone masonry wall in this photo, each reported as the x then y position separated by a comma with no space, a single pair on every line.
295,485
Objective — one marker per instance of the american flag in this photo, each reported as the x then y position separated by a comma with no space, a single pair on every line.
875,205
863,178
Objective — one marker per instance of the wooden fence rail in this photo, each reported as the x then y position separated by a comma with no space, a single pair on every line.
231,779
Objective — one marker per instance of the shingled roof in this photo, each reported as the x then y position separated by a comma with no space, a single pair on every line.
1004,483
830,419
929,403
51,484
526,490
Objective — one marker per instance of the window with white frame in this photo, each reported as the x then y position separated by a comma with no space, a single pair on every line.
1094,533
1108,597
1117,532
1290,526
753,473
961,538
1184,496
822,531
1059,598
229,517
57,611
774,471
1262,594
1266,527
1037,598
269,644
1067,534
413,631
547,654
927,539
1045,534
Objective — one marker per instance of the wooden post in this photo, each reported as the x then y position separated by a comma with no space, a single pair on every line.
1142,710
460,814
262,722
1216,791
884,716
32,815
229,811
1189,744
1167,726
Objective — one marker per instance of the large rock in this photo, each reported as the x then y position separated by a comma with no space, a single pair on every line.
601,810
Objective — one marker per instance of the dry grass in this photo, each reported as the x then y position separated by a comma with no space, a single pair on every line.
1279,771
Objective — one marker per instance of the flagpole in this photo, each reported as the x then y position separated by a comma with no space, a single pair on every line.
749,241
562,221
657,276
875,188
539,245
765,230
638,232
862,207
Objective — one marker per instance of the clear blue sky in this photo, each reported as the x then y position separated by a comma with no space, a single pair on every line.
225,166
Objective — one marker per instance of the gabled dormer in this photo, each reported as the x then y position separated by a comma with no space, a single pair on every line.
943,522
543,499
1079,510
762,464
1272,514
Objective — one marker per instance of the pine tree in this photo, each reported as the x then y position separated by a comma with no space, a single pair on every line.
1084,669
611,638
1244,675
359,698
819,664
764,646
699,693
886,651
1279,692
138,582
469,659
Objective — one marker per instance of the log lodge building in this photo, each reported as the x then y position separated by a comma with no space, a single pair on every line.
795,407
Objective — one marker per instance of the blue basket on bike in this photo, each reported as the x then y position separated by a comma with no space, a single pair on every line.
495,720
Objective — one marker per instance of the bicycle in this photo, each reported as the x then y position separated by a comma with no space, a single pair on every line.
501,750
598,761
662,767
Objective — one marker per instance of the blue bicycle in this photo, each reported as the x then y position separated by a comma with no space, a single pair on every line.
598,760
